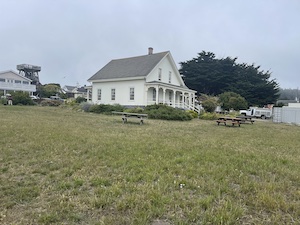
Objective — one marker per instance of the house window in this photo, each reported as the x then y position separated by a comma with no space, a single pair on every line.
154,95
17,82
113,94
170,96
131,94
170,77
25,82
99,94
2,80
159,74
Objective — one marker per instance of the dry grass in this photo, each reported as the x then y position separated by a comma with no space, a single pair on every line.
59,166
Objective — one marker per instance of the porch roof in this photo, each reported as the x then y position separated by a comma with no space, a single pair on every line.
171,86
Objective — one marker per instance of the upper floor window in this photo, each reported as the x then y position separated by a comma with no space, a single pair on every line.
113,94
2,80
25,82
131,94
17,82
170,77
159,73
99,94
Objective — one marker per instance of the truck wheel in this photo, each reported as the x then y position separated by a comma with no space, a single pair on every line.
263,117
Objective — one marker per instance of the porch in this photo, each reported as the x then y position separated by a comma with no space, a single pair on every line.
177,97
9,86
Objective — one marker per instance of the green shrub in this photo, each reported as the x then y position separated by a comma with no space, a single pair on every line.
50,103
85,106
193,113
135,110
80,99
21,98
209,105
71,102
3,101
106,108
166,113
209,116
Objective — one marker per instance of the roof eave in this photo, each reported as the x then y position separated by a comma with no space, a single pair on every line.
116,79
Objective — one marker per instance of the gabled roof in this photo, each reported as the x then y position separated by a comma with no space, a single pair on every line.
139,66
69,88
15,73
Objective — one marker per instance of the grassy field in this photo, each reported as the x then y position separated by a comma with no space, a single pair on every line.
60,166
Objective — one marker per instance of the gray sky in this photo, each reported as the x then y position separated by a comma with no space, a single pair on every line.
72,39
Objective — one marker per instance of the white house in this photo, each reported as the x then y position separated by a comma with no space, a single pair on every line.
75,91
12,81
140,81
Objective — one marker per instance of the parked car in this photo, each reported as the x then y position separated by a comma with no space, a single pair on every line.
33,97
56,98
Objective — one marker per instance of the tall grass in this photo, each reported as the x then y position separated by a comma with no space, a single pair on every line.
58,166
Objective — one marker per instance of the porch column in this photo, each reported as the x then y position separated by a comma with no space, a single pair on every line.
146,96
193,102
183,100
156,100
88,95
164,95
174,98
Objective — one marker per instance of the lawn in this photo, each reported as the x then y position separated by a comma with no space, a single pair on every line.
62,166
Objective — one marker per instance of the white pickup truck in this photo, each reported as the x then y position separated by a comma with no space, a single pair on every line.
263,113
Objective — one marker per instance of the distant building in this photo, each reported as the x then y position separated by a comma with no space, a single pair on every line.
75,91
285,102
12,81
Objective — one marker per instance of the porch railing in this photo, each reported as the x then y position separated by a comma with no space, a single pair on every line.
17,87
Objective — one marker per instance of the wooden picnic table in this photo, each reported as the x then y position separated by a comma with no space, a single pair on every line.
126,115
246,119
229,120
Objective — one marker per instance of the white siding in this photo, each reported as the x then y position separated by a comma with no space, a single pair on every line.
15,82
166,66
122,92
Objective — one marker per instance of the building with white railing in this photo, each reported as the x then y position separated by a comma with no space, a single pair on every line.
141,81
12,81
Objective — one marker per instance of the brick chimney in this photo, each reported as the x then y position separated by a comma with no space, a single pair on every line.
150,51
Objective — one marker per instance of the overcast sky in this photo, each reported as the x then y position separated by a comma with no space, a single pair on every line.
72,39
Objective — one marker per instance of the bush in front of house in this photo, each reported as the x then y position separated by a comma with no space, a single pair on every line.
106,108
21,98
135,110
166,113
47,102
85,106
209,116
193,113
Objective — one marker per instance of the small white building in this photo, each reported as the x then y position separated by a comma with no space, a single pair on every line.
140,81
287,114
12,81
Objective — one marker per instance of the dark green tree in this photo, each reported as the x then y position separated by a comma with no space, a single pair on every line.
212,76
48,90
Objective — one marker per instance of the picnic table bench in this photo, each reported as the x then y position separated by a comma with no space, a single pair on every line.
229,120
246,119
126,115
